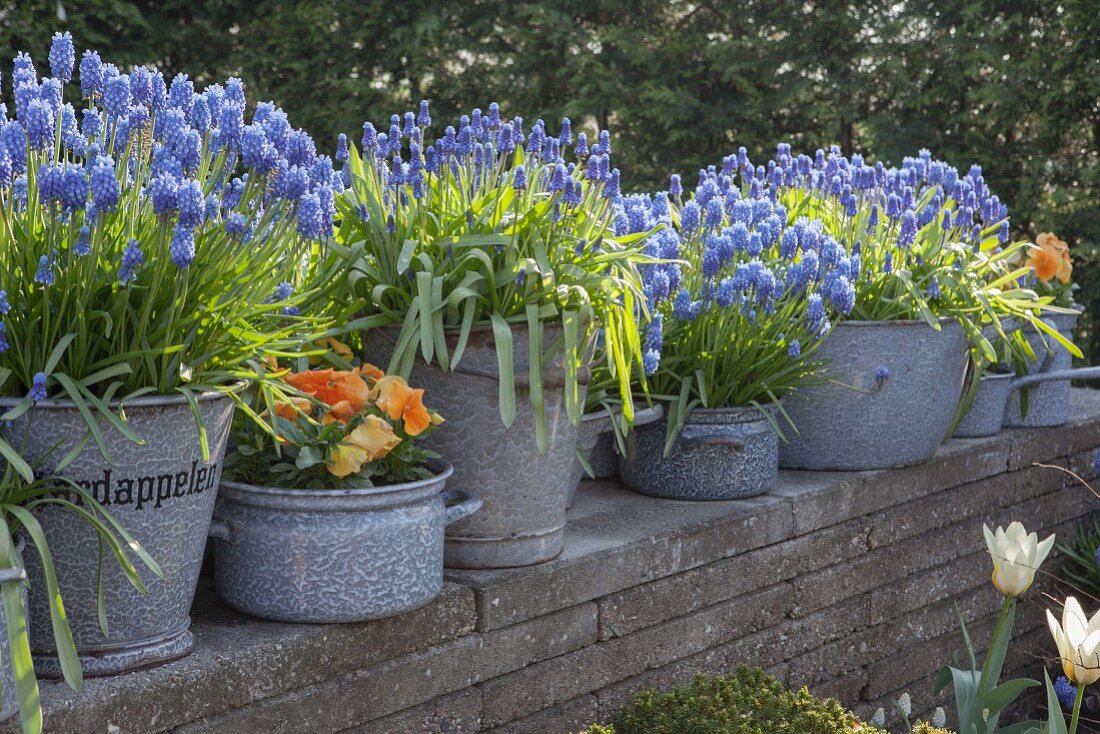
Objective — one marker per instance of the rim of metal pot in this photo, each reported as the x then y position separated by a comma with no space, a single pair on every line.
602,413
750,412
442,469
893,322
146,401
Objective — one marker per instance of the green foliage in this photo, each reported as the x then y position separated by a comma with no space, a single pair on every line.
980,697
18,502
1079,567
468,250
744,702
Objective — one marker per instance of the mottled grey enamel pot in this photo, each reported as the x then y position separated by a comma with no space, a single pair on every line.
338,555
9,702
525,492
721,454
1048,402
604,456
162,491
587,437
859,422
988,408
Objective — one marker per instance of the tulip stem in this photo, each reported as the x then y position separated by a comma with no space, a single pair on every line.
1001,638
1077,709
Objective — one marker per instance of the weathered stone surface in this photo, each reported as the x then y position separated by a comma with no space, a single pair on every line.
560,679
820,499
411,680
1082,433
619,540
571,716
673,596
238,661
455,713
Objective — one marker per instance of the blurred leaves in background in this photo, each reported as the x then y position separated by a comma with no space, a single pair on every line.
1015,86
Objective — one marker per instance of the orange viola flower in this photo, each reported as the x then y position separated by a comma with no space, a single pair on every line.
370,441
332,387
399,401
290,410
1045,262
342,412
415,415
339,348
1049,241
370,373
391,394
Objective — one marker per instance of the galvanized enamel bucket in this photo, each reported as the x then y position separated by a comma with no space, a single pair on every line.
162,491
895,388
603,458
334,555
525,492
986,413
1048,402
587,438
991,402
721,454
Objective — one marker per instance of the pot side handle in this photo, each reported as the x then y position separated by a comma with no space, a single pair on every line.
1076,373
690,440
460,504
219,529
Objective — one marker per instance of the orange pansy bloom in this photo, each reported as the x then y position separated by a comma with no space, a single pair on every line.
399,401
290,410
370,373
1045,262
339,348
342,412
332,387
1050,242
391,394
415,415
370,441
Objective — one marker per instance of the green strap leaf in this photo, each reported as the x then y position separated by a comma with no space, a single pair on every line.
502,338
534,376
26,683
62,635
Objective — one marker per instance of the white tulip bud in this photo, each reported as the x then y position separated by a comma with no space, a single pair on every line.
1016,555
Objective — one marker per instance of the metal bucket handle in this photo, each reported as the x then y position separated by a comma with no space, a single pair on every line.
692,439
460,504
219,529
1077,373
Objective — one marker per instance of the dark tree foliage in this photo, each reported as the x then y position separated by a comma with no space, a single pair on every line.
1012,86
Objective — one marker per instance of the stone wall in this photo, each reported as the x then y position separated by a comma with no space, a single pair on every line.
846,582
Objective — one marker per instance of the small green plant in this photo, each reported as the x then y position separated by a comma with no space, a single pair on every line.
1080,568
744,702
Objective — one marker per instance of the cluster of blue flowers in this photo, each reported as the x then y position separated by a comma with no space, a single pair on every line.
145,166
868,222
479,152
743,259
896,217
138,132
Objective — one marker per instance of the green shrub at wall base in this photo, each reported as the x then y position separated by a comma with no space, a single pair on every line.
744,702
